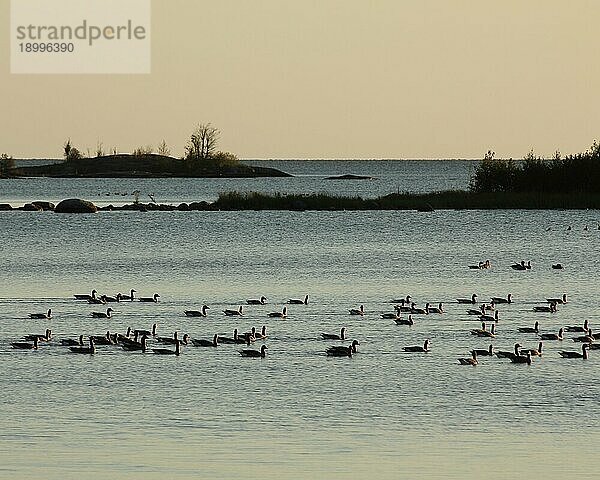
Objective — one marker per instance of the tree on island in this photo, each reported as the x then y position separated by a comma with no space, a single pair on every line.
70,152
203,142
201,151
7,163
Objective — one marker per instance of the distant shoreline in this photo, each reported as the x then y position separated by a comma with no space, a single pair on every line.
426,202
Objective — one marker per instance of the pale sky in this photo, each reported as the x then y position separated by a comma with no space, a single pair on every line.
331,79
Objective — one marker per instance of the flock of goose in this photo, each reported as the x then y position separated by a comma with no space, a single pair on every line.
137,339
148,341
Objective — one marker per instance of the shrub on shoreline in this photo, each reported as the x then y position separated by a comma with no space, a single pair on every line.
573,174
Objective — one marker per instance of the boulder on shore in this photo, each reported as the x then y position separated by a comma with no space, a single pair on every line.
75,205
44,205
5,207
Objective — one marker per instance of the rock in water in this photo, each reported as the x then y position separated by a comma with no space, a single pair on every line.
75,205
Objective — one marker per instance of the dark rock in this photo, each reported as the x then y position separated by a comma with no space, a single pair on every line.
350,177
183,207
30,207
5,207
75,205
44,205
199,206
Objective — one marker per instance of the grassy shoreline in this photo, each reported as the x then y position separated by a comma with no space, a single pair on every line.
446,200
426,202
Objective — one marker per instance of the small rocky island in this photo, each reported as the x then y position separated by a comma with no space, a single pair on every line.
201,160
147,165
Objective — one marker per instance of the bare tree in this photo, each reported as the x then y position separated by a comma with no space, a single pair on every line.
163,149
99,149
203,142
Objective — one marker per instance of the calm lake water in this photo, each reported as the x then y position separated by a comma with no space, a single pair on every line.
296,414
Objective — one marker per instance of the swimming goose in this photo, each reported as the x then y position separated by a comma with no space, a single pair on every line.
168,351
200,342
247,338
252,333
85,350
26,345
69,342
534,329
108,313
546,308
534,352
234,313
197,313
418,348
558,301
481,310
489,308
97,300
403,301
477,331
519,266
583,354
282,314
102,339
357,311
504,354
490,318
473,299
233,339
438,309
589,338
489,334
400,321
508,299
522,359
46,315
469,361
146,332
108,299
124,337
41,338
174,339
417,311
392,315
484,353
579,329
263,333
85,296
553,336
335,336
154,298
255,353
339,351
297,301
132,346
133,343
130,296
262,301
